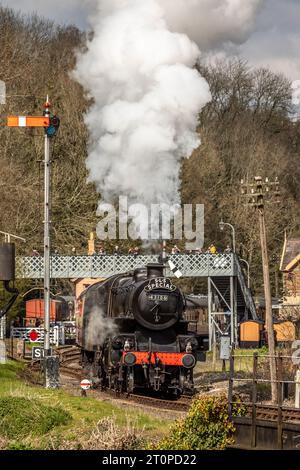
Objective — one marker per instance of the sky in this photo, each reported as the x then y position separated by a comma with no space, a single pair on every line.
275,41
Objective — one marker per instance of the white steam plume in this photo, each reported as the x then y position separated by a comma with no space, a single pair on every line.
139,69
296,92
147,99
99,328
211,23
295,116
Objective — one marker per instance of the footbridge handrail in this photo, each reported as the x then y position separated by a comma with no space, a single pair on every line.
245,290
99,266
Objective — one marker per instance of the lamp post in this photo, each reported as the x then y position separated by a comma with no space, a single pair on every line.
222,225
248,272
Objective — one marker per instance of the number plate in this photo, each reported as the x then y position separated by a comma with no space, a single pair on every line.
158,297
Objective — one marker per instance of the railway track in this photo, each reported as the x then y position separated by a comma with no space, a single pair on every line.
263,412
68,359
182,404
70,356
270,413
69,366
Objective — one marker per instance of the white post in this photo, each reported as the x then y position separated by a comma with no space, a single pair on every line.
2,352
56,335
297,392
3,328
47,246
50,363
62,337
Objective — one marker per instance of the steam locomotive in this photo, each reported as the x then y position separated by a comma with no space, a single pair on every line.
133,335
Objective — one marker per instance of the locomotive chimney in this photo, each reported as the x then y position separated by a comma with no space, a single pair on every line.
155,270
140,274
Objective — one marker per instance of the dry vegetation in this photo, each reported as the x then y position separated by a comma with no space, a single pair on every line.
245,130
36,58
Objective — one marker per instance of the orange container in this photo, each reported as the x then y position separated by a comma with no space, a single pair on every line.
35,309
250,334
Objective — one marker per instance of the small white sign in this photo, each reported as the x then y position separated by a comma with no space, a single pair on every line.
85,384
37,352
225,348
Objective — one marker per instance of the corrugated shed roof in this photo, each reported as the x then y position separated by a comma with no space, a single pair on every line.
291,251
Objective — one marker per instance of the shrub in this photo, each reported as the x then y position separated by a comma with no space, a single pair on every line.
206,427
20,417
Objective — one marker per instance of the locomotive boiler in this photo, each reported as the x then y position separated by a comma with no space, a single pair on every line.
133,335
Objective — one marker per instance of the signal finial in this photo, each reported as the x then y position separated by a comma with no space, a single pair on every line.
47,103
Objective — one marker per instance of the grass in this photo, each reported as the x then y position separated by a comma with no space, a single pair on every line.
20,416
59,415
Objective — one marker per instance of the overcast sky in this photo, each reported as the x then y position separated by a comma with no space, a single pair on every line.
274,43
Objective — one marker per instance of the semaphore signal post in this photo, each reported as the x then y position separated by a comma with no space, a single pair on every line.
50,123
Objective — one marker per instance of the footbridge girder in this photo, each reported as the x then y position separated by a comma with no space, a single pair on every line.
99,266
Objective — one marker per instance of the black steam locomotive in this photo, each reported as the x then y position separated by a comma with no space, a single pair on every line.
132,333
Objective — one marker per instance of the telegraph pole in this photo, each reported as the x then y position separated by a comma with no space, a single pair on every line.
258,194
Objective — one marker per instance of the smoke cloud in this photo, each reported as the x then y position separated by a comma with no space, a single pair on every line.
296,92
99,328
139,70
295,116
211,23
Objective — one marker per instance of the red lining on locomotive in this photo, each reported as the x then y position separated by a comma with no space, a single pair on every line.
165,358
